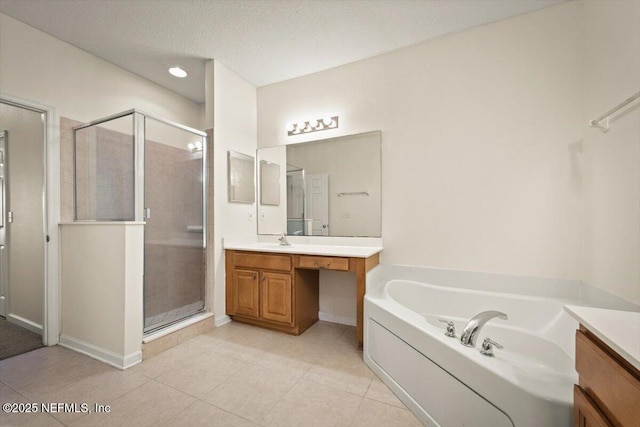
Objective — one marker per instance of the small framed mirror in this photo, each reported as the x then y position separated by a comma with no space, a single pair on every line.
269,183
241,178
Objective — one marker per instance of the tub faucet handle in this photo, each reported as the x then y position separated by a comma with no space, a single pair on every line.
451,329
487,347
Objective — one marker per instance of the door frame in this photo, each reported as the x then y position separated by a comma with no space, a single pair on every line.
51,214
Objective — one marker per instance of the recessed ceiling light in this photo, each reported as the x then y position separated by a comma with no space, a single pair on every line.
177,72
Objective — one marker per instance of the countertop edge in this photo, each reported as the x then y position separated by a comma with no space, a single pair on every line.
345,251
583,319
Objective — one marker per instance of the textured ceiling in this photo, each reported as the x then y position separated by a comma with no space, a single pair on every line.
264,41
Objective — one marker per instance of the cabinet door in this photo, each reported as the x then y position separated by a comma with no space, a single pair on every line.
276,297
245,293
585,412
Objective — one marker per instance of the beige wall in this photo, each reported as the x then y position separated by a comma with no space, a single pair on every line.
102,297
26,244
612,160
234,116
43,69
480,130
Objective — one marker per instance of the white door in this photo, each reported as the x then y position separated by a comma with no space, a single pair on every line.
317,203
4,274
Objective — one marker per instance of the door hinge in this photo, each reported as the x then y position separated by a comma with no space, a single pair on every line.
48,238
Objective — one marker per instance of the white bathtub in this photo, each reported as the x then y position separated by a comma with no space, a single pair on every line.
444,383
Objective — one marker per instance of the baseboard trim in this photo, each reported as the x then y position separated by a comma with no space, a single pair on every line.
334,318
222,320
116,360
25,323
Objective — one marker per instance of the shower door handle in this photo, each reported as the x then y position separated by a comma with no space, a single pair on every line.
9,217
146,213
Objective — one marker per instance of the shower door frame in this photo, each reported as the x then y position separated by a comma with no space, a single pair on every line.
139,182
139,129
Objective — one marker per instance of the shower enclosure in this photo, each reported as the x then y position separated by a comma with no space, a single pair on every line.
135,167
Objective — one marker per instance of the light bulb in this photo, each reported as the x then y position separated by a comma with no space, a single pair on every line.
302,126
313,123
177,72
198,145
327,121
290,127
190,146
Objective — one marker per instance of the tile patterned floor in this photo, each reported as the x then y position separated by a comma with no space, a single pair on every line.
236,376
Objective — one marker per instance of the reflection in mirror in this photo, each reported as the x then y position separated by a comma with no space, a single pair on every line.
241,177
269,183
332,187
297,224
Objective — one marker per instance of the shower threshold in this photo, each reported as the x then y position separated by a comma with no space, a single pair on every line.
171,317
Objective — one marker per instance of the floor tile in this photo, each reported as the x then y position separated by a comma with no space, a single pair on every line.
249,347
380,392
294,357
251,393
346,372
372,413
101,387
348,342
167,360
201,373
323,333
244,375
201,414
148,405
314,405
22,419
46,369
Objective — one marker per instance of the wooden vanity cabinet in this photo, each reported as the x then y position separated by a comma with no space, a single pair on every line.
608,393
265,290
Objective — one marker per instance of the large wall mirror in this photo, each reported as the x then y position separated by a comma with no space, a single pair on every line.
330,187
241,177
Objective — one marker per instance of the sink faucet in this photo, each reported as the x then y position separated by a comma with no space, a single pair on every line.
283,240
472,329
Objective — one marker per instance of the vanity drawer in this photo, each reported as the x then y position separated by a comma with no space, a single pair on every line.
263,261
324,262
614,389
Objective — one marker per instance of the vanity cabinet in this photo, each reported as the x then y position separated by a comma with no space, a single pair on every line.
276,296
608,393
266,290
279,290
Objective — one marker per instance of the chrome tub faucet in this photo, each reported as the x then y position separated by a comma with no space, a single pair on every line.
472,329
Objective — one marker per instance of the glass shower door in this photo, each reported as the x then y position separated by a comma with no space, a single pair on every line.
174,266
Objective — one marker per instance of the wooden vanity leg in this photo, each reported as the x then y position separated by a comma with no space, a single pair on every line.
361,279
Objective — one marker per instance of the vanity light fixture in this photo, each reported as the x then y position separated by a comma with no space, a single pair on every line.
314,125
177,72
195,147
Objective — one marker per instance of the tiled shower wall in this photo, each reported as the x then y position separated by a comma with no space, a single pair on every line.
174,259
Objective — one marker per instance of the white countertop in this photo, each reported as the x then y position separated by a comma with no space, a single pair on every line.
306,249
620,330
